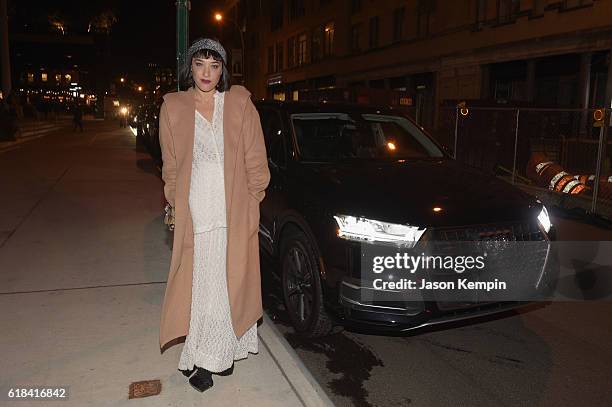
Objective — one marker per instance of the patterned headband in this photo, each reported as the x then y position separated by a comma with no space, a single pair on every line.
206,43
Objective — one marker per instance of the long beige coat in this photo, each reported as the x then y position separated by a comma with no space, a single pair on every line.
246,178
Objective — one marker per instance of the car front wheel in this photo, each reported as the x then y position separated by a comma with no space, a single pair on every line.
301,284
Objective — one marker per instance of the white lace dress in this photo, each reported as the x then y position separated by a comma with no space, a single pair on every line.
211,342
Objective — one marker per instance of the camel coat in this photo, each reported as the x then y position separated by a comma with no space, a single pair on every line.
246,178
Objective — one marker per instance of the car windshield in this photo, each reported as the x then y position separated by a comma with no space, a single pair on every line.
330,137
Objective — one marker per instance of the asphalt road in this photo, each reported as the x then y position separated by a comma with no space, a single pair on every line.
547,355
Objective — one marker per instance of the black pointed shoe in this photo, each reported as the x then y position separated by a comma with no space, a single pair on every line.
227,371
188,372
201,380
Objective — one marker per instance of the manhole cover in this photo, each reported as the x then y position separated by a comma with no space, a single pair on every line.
144,389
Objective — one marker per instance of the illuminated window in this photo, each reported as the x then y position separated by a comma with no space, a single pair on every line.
279,96
68,77
302,43
296,94
44,76
30,77
58,77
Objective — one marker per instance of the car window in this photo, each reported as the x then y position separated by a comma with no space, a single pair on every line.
273,134
334,136
264,117
277,140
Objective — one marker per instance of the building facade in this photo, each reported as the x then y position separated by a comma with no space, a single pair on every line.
505,52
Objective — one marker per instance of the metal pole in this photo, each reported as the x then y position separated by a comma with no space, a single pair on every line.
456,125
182,36
5,56
602,131
518,112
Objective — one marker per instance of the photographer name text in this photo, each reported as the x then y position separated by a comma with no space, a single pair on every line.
423,284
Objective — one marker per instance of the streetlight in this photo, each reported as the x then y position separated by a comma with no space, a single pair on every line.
122,80
219,19
140,89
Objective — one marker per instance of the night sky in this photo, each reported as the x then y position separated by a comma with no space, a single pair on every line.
145,30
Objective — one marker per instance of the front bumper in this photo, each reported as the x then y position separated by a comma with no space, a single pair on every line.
360,305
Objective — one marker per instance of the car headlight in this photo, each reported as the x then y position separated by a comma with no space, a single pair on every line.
356,228
544,219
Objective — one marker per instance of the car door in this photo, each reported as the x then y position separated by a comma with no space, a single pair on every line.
274,134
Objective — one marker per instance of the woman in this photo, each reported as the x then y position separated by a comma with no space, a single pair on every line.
215,173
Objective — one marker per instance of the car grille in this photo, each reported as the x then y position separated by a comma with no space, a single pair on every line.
516,252
496,232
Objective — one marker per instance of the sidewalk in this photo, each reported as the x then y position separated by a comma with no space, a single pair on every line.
83,261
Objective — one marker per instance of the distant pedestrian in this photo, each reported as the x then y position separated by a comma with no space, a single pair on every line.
77,117
211,298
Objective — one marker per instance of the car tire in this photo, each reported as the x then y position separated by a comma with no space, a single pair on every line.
301,286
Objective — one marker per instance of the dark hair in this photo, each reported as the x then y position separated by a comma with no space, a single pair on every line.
187,78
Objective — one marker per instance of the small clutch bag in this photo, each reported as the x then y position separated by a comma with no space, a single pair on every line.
169,217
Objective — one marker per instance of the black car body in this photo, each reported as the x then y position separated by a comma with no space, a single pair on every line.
148,128
323,162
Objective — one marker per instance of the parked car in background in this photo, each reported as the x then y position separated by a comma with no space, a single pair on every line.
344,176
148,127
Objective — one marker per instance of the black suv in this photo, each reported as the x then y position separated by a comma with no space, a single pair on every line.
337,168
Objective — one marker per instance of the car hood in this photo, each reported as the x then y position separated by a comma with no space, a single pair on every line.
408,191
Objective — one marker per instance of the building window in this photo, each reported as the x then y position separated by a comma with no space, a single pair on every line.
355,38
270,59
538,8
297,9
398,23
328,33
30,77
302,42
276,16
58,77
253,40
44,77
355,6
253,9
291,52
507,10
68,77
481,13
279,57
425,9
374,25
569,4
317,44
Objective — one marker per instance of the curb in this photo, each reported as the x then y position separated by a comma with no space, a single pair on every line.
308,390
28,135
